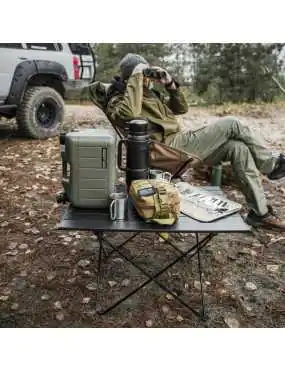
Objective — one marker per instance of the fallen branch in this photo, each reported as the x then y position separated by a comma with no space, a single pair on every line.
267,70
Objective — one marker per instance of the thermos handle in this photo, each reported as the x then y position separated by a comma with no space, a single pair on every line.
120,154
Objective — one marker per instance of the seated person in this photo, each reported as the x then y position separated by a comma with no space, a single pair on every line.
131,96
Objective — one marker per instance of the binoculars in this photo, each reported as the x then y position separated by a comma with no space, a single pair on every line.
154,74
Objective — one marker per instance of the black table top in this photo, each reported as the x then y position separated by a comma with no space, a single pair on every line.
99,221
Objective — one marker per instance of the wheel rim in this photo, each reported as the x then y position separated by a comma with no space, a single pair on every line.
46,114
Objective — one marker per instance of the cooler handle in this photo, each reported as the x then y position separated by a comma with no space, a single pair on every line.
120,154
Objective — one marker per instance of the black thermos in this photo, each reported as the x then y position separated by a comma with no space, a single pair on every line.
137,146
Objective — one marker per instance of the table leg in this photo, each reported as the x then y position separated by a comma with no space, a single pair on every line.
99,268
108,254
102,257
168,241
203,314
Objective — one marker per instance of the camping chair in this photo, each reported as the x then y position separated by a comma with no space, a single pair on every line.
162,157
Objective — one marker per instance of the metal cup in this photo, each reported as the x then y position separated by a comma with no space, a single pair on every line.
118,206
160,175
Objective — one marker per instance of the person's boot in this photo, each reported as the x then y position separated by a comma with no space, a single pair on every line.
279,171
269,221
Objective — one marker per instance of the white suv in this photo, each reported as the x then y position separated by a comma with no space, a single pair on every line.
34,80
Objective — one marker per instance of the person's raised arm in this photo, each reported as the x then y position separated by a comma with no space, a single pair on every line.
177,102
128,106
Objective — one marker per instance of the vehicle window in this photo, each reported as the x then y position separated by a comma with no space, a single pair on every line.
12,46
82,49
37,46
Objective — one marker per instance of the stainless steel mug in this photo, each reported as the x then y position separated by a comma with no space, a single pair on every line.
118,206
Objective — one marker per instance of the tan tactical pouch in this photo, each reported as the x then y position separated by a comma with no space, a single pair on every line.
155,201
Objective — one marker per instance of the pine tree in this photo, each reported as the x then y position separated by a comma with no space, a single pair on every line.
235,72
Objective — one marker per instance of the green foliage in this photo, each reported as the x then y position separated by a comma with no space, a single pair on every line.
181,61
109,56
211,73
107,59
235,72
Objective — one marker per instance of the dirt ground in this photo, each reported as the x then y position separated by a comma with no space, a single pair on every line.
48,278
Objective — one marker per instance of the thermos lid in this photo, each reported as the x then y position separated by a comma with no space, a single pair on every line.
138,126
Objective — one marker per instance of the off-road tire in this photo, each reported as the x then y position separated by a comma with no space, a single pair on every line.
26,117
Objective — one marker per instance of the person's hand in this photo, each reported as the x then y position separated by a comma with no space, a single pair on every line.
140,68
167,79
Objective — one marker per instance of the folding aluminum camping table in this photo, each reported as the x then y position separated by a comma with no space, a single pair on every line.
99,223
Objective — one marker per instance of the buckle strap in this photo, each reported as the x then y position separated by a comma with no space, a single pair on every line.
161,190
162,203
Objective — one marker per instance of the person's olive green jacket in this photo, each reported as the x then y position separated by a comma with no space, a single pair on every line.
139,102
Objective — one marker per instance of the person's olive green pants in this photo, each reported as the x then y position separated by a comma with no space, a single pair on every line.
230,140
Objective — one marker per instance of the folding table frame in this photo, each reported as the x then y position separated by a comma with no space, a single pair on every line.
99,223
190,253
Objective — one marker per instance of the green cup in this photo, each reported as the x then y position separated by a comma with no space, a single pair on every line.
217,172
